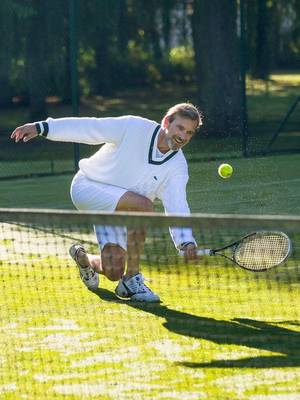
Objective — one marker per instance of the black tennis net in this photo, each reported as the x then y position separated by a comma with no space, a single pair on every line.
219,330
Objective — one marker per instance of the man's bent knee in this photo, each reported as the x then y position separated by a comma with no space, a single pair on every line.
113,273
131,201
146,205
113,261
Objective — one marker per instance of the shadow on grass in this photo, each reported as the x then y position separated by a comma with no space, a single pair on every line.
239,331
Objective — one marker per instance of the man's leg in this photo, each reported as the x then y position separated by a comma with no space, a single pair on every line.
113,257
135,237
111,263
131,285
90,195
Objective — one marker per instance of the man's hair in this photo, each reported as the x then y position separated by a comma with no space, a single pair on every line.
185,110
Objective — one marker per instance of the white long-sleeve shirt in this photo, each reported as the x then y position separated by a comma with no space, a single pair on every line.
129,158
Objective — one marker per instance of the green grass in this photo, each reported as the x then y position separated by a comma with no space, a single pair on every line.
17,169
52,192
220,333
262,185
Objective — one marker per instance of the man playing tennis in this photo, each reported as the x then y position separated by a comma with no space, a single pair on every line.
139,161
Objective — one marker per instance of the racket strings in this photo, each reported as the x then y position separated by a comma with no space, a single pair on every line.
261,252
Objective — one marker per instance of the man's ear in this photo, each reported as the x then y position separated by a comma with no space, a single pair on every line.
165,121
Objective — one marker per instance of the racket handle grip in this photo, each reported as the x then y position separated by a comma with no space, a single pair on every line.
200,252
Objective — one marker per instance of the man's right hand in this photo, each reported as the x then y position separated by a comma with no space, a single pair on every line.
190,253
24,132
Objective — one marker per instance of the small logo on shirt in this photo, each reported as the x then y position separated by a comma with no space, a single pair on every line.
155,177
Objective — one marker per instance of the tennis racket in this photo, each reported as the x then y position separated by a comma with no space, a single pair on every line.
257,251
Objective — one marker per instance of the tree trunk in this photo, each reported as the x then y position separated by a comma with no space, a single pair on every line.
151,33
104,85
262,54
122,28
36,59
217,66
166,8
105,12
6,28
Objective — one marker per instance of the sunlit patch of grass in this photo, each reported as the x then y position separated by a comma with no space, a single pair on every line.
277,84
7,242
285,77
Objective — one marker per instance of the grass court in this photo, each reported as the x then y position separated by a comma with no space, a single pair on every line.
219,333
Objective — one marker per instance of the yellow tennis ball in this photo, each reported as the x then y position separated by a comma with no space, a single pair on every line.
225,171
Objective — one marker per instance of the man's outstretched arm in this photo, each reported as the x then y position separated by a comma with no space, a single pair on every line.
75,129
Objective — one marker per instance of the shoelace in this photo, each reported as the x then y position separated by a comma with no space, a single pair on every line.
141,287
87,274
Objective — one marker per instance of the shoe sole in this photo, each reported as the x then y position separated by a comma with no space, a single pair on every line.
138,297
154,300
73,253
131,298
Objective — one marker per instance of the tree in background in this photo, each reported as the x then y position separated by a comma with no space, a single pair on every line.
273,28
285,34
258,38
126,43
217,65
104,13
6,29
166,10
57,42
34,23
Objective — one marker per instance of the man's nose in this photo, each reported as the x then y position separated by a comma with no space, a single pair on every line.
183,136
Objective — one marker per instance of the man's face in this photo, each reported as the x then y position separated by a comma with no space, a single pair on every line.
179,132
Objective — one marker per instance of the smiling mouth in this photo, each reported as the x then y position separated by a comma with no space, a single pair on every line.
178,141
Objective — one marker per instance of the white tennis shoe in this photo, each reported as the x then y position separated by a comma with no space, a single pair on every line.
135,289
87,274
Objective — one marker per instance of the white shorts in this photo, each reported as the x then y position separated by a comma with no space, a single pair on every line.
88,195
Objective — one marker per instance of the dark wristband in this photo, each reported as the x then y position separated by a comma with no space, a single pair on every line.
42,128
183,245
